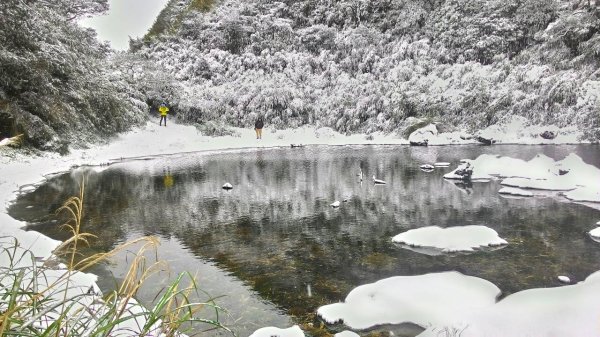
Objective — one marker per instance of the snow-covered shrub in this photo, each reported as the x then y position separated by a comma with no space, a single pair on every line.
367,66
216,129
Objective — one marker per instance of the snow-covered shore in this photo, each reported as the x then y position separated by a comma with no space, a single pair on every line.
21,173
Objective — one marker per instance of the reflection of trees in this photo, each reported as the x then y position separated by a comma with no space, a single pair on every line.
276,231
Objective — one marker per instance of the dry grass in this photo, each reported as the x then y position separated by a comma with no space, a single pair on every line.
37,300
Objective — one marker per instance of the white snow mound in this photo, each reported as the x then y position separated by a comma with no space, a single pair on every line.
595,233
451,239
424,300
570,310
270,331
346,333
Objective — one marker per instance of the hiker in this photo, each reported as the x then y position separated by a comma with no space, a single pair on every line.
258,127
163,113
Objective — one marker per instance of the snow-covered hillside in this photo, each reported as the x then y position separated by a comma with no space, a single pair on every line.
367,66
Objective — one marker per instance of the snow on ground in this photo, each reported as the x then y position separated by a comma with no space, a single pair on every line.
294,331
451,239
570,310
432,299
517,130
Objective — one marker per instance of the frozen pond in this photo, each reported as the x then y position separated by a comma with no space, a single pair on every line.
277,250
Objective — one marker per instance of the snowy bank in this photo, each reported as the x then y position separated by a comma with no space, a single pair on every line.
518,130
514,130
451,239
449,302
570,310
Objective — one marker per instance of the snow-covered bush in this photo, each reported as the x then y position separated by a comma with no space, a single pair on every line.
360,66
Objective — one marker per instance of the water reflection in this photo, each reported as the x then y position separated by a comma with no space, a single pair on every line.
275,230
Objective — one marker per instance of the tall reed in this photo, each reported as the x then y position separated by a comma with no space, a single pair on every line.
47,298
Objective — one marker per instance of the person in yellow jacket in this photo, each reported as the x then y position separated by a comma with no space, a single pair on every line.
163,113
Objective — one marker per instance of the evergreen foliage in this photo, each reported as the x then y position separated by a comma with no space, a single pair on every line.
54,86
354,65
367,66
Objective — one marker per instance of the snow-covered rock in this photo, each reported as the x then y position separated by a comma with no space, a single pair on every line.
451,239
595,233
430,299
421,137
485,138
564,279
12,141
270,331
548,134
335,204
464,172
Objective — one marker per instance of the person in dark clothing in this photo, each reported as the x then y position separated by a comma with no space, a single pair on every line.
258,127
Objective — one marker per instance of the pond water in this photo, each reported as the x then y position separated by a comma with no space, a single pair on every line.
275,249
